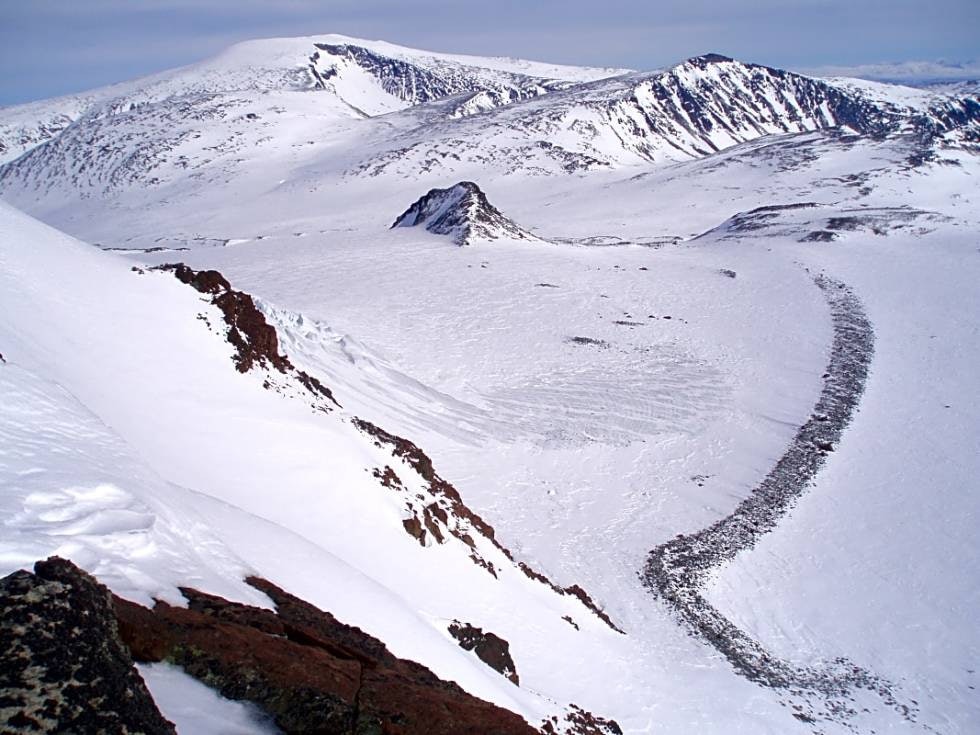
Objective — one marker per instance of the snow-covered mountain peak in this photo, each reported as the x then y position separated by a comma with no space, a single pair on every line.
463,212
365,78
375,77
704,60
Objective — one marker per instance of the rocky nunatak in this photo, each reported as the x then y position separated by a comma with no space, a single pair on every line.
63,667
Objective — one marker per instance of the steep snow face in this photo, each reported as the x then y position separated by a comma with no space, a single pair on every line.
463,213
376,79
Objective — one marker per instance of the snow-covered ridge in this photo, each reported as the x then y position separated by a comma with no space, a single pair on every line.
695,109
403,78
447,115
370,77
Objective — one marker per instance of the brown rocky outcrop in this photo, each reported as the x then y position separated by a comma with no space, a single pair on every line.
63,668
256,342
452,503
308,670
67,647
490,648
581,722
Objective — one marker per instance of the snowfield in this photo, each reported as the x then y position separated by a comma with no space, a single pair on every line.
628,367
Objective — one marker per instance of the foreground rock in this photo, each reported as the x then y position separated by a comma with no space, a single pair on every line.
463,212
63,667
309,671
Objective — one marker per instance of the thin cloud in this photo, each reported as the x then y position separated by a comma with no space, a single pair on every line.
903,71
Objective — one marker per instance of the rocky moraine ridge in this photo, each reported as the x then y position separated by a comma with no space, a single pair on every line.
679,570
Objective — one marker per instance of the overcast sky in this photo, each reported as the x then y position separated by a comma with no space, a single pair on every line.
51,47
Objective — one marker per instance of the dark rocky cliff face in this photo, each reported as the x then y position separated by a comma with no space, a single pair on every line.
63,668
416,83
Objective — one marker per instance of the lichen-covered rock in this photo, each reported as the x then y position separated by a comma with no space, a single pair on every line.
63,667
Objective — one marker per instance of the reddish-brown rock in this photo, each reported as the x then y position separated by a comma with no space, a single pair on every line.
489,647
256,342
308,670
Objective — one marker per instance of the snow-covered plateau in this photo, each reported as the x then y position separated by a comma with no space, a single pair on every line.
543,398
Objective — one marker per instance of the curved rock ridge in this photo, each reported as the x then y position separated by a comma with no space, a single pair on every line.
679,570
63,667
462,212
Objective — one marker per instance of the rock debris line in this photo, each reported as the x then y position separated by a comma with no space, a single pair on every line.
678,570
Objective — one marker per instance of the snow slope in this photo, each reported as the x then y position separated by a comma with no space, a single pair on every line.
591,398
148,363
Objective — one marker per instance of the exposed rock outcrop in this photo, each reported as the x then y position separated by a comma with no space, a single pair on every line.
490,648
441,518
462,212
63,667
416,82
581,722
254,339
308,670
67,647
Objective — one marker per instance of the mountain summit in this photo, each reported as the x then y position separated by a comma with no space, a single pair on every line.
464,213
